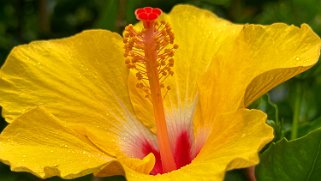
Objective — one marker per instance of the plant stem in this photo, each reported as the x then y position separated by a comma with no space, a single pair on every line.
297,110
251,173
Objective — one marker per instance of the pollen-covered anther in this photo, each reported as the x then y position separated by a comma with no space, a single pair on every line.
134,47
166,49
175,46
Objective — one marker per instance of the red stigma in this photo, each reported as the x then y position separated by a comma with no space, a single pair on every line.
147,13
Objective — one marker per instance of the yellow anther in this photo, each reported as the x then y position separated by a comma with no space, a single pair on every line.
137,60
126,35
162,57
163,62
167,39
139,85
175,46
139,76
163,32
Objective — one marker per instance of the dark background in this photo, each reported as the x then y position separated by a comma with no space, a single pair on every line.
22,21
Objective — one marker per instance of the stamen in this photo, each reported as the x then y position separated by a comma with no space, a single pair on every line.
149,54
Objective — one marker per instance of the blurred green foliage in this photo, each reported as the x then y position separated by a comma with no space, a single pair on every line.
22,21
284,154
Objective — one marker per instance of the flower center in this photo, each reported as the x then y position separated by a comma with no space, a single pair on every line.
149,53
183,153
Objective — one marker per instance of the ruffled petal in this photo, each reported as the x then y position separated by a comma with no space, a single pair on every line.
236,139
143,166
258,59
39,143
192,172
81,80
138,169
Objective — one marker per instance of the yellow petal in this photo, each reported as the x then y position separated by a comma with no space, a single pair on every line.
81,80
112,169
39,143
258,59
297,50
236,139
143,166
200,35
142,106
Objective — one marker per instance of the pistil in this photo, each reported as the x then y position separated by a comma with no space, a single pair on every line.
149,53
157,100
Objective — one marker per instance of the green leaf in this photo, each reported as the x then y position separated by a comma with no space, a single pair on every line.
310,126
108,15
265,104
299,159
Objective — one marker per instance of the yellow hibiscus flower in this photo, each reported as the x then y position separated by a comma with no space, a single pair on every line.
167,102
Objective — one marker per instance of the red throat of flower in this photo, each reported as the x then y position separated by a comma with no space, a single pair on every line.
149,54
